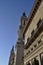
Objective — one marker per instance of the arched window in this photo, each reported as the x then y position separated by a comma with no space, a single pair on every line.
36,62
28,63
24,22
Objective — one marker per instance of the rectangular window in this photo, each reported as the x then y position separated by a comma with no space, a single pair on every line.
32,32
38,24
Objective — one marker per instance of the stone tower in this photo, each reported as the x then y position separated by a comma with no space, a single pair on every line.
12,57
20,41
23,20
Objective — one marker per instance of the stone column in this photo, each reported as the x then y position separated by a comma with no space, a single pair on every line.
39,59
30,62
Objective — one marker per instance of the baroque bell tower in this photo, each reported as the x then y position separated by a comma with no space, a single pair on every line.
20,40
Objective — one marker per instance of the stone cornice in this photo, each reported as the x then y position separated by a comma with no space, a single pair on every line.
32,13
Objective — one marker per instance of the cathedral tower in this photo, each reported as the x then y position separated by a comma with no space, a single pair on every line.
20,41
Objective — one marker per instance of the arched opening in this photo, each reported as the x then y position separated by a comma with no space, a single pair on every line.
28,63
35,62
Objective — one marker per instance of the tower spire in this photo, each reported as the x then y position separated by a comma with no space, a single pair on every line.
12,56
12,50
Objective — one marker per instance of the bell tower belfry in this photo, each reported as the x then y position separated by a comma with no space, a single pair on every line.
23,19
20,41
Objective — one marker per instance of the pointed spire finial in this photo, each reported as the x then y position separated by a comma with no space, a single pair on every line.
24,14
13,48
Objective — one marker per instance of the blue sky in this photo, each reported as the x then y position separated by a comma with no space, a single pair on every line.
10,13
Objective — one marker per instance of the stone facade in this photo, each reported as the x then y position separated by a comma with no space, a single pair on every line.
33,35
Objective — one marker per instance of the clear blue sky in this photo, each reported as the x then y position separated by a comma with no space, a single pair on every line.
10,12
